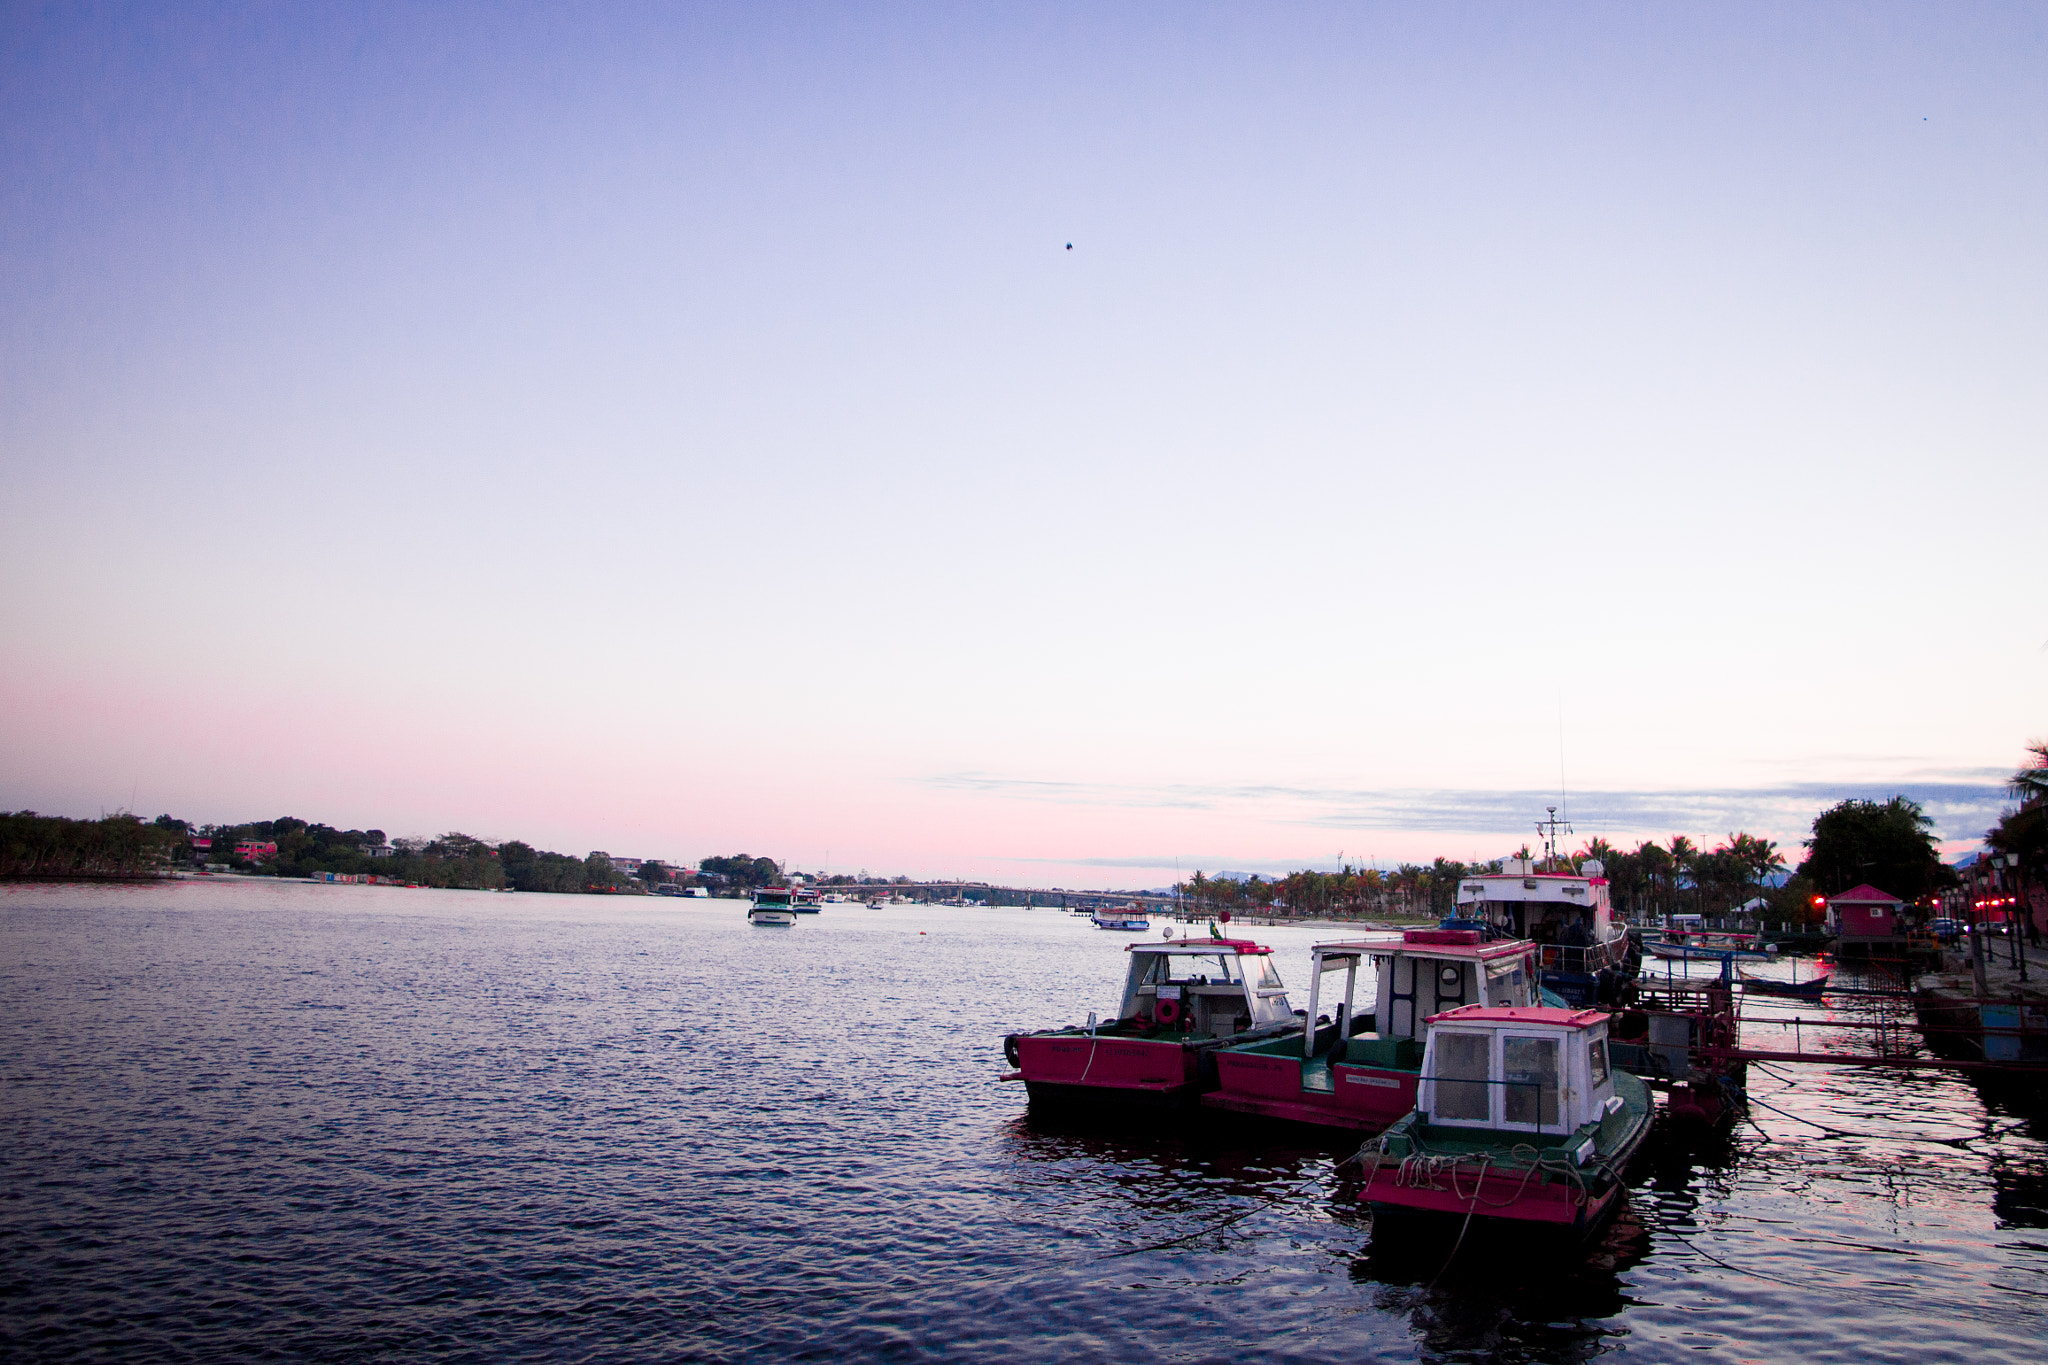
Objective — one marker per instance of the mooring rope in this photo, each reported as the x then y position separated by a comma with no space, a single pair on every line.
1833,1131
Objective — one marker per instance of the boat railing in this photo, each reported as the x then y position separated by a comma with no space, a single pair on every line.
1581,959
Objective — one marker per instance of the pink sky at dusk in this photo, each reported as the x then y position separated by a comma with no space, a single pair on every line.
686,431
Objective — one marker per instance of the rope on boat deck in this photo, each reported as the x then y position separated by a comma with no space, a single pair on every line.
1420,1171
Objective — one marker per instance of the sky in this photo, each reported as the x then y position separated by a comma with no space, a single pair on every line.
1063,445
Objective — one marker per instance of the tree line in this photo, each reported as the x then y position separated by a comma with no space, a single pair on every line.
1889,844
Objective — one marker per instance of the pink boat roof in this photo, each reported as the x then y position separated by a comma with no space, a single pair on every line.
1198,945
1394,944
1520,1014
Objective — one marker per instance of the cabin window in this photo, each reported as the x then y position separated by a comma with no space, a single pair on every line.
1529,1067
1596,1057
1461,1067
1504,985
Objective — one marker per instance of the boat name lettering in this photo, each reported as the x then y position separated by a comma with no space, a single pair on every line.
1383,1082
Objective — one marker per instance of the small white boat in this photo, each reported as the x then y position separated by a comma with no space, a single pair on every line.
1683,946
1128,921
771,906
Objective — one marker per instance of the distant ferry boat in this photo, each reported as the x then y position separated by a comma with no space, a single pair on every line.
805,902
771,906
1127,920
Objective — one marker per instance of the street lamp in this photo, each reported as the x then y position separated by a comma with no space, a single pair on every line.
2009,869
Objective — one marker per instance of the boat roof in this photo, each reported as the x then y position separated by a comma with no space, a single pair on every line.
1199,945
1528,880
1520,1014
1865,894
1398,943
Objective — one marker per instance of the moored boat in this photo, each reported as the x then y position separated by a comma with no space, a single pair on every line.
1811,989
1341,1077
1583,952
1683,945
1126,920
1184,999
804,901
771,906
1519,1116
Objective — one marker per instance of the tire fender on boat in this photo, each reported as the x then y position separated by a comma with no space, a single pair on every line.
1010,1051
1167,1011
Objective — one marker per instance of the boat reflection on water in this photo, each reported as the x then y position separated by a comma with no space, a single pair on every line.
1208,1163
1507,1296
1501,1296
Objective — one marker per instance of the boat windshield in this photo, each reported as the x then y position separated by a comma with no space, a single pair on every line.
1461,1066
1194,969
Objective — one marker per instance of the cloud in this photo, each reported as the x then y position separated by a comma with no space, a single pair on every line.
1961,803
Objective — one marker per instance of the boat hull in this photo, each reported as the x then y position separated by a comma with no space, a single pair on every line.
773,919
1361,1094
1798,990
1084,1070
1359,1099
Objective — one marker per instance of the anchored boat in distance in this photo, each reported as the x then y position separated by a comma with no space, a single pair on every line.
1125,919
771,906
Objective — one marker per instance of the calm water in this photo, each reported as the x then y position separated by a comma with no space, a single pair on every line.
353,1122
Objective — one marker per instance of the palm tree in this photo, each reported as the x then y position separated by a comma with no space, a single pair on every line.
1757,856
1653,861
1684,855
2030,783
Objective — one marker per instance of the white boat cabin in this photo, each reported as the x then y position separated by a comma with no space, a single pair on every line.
1536,1070
1213,986
1549,907
1420,973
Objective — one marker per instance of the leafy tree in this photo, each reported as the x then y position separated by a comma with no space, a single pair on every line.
117,845
744,871
2023,833
598,873
1889,845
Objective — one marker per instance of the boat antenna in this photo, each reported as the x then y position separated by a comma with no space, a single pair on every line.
1561,799
1547,830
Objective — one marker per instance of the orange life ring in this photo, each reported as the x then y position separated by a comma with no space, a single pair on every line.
1167,1011
1550,957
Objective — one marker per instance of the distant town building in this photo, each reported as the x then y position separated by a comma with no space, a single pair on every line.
376,850
252,851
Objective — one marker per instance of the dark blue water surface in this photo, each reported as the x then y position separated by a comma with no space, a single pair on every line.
336,1122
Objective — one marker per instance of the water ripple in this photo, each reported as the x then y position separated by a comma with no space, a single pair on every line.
349,1123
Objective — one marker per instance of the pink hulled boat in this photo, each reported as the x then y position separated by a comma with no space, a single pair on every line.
1184,1000
1337,1076
1521,1116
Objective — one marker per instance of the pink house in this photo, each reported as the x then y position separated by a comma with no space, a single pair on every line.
1865,916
